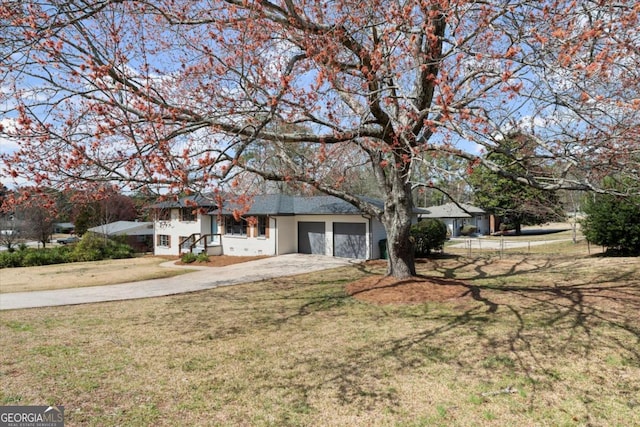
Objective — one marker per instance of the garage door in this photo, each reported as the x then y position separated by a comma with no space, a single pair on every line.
350,240
311,238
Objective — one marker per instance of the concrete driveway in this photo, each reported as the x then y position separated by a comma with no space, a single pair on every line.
202,278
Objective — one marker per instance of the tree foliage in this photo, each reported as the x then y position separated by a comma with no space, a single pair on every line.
173,94
515,203
613,221
88,212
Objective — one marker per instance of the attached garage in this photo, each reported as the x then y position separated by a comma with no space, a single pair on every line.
350,240
311,238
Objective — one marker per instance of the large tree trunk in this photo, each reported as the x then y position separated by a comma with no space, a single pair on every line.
397,222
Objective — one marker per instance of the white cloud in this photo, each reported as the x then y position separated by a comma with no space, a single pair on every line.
7,146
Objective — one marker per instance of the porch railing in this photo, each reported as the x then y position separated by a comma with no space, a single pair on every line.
198,240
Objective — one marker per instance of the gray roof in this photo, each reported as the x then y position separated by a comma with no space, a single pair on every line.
189,201
280,204
118,228
451,210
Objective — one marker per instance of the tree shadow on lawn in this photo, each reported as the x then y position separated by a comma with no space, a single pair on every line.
526,330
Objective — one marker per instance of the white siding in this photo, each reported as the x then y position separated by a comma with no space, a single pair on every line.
176,229
286,235
378,234
250,246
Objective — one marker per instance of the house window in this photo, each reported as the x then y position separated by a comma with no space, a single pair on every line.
164,240
262,226
188,214
235,227
163,214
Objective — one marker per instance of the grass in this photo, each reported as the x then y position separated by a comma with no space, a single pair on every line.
537,341
81,274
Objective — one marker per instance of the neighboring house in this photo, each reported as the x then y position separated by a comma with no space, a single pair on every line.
63,227
138,235
274,225
457,217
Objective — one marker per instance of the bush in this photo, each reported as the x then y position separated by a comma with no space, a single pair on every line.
34,257
612,221
11,259
202,257
428,235
93,247
90,248
188,258
468,230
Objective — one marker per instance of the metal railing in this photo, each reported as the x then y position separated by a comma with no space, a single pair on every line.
199,240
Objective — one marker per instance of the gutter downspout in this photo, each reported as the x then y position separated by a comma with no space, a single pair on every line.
370,234
275,227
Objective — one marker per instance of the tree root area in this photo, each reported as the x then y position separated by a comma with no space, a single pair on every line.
381,290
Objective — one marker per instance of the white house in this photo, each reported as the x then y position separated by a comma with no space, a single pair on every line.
456,217
274,225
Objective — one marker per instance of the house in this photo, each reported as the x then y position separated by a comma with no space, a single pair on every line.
275,224
138,235
456,217
63,228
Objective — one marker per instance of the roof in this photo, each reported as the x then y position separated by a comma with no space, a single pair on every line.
189,201
64,224
280,204
452,210
118,228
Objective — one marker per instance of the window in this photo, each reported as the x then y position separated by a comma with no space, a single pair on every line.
233,227
188,214
164,240
263,222
163,214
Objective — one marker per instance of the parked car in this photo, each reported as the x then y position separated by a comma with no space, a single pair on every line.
68,240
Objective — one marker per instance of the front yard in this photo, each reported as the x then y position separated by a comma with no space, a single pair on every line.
527,340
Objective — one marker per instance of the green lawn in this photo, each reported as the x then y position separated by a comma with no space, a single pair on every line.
537,341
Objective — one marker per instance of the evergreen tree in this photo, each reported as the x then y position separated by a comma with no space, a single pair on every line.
515,203
614,222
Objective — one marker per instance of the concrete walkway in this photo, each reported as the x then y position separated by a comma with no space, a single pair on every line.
202,278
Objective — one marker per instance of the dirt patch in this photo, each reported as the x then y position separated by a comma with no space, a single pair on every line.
380,289
222,260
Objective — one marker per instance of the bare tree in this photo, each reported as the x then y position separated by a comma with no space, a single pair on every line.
173,94
38,222
9,231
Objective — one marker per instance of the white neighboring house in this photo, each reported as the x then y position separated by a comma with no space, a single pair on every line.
274,225
456,217
139,235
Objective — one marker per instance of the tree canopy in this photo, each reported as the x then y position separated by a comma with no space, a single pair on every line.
174,94
613,221
515,203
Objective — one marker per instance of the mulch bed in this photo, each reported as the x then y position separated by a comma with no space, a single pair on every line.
381,289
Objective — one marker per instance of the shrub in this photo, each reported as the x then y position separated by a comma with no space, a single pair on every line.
468,230
188,258
90,248
11,259
202,257
428,235
612,221
93,247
